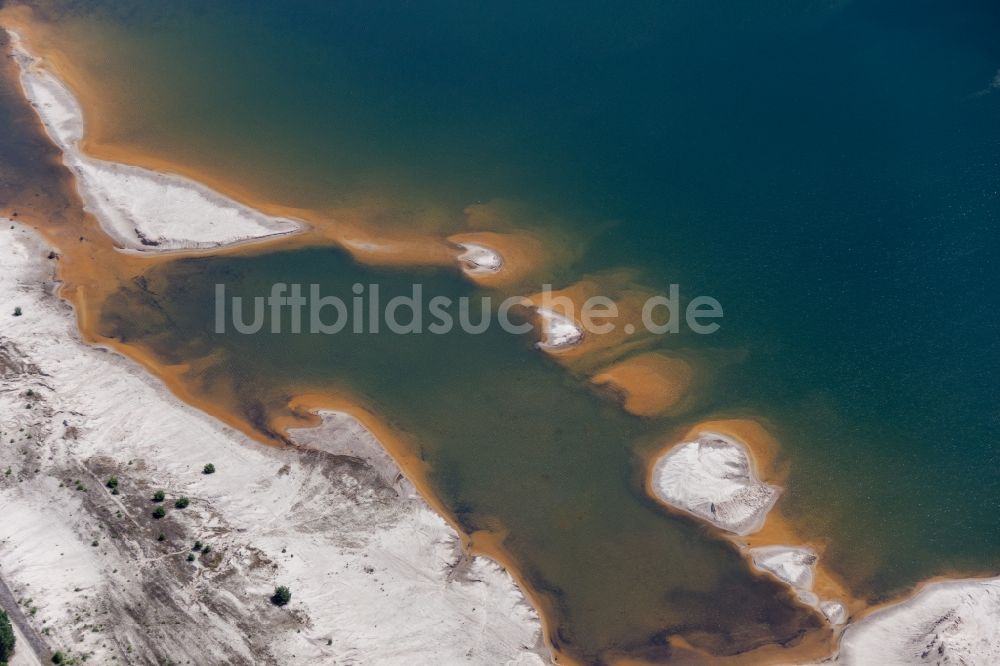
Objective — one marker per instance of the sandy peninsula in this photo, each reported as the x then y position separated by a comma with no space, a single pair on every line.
142,210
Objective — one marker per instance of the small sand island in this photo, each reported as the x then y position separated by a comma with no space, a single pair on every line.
559,332
713,478
478,259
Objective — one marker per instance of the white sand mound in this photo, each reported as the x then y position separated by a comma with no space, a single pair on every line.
794,565
478,259
558,330
834,611
140,209
712,477
376,576
950,622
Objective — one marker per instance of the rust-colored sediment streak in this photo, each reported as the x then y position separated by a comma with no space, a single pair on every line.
651,384
39,191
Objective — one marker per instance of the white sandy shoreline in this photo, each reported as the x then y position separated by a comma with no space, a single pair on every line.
945,622
376,575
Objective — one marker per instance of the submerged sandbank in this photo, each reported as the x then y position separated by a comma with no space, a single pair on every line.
652,384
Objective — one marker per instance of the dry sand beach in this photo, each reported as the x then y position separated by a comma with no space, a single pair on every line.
377,575
332,518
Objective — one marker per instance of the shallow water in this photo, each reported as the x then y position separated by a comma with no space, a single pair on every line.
828,171
513,443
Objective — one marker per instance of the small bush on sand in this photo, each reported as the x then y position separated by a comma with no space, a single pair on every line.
208,469
159,496
282,595
7,639
57,657
17,312
181,503
159,512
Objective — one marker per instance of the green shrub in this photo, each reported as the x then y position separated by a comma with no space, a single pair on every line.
159,512
197,546
159,496
190,557
208,469
57,657
181,503
112,482
282,595
7,638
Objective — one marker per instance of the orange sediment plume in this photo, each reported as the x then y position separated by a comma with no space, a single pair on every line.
652,384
